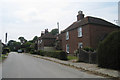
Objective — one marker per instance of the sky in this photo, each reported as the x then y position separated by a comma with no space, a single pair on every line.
28,18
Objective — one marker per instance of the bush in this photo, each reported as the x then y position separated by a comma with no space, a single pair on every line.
33,52
55,54
108,51
62,55
40,52
88,49
6,50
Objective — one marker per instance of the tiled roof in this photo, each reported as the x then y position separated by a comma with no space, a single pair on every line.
48,35
89,20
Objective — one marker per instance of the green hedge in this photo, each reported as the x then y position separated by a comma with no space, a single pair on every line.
55,54
33,52
6,50
88,49
109,51
41,52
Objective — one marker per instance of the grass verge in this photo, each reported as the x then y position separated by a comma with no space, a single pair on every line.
72,57
3,56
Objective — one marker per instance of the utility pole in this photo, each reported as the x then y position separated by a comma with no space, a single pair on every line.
58,26
6,38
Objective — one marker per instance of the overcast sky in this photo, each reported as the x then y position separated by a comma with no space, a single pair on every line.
28,18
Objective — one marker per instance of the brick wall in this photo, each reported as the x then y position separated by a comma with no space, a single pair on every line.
92,34
98,33
74,39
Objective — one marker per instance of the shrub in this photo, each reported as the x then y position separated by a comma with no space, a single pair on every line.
6,50
33,52
108,51
62,55
88,49
55,54
40,52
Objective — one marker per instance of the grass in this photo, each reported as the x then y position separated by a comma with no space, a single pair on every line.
72,57
2,57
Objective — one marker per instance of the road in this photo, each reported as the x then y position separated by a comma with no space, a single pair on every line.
26,66
0,70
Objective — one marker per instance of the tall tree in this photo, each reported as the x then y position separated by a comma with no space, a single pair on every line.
34,39
13,45
54,31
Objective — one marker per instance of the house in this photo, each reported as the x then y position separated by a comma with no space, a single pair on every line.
1,46
119,13
85,32
58,44
47,41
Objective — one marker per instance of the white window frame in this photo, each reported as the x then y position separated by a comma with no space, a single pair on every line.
80,32
41,41
80,44
67,48
67,35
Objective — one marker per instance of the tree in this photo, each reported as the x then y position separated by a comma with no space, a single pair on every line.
13,45
10,42
54,31
22,40
34,39
27,46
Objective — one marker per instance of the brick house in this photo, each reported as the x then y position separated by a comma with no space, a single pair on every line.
58,44
46,40
85,32
1,46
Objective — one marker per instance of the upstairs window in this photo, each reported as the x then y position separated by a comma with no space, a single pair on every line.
67,35
80,32
67,48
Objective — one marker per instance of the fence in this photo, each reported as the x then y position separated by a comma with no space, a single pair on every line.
88,57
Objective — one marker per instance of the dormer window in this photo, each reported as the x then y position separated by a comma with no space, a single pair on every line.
67,35
80,32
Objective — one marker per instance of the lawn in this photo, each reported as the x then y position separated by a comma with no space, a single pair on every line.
72,57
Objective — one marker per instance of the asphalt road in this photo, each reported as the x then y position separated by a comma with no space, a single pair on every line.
0,70
26,66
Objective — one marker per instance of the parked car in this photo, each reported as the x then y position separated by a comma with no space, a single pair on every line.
19,51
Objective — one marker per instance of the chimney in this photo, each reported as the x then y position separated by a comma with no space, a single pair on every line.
42,33
80,15
46,31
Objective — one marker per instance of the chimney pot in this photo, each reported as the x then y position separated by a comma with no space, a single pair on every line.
42,33
46,31
80,15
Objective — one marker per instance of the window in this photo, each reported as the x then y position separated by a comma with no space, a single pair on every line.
67,48
40,41
67,35
80,32
80,45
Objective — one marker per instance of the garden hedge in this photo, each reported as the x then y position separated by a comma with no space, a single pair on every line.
55,54
109,51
